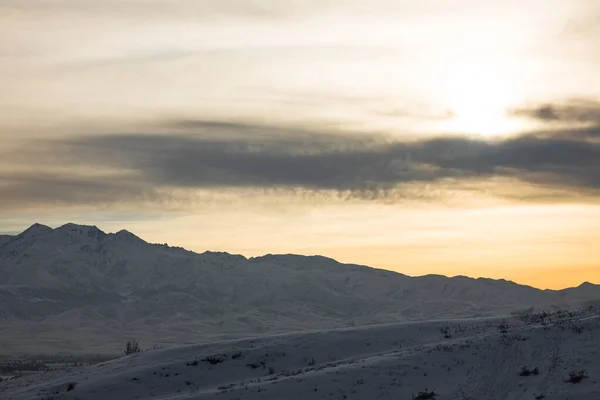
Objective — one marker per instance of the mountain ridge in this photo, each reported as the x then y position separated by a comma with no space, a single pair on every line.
129,234
77,277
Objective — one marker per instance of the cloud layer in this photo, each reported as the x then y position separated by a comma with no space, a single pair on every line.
582,111
225,156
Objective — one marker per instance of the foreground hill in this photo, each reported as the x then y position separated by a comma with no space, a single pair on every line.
76,288
532,357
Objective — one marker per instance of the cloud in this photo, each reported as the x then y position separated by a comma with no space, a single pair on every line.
582,111
205,9
238,155
59,189
423,115
234,156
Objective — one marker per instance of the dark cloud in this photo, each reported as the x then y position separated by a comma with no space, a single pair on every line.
237,155
47,189
214,155
583,111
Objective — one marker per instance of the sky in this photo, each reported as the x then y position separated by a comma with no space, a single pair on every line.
434,136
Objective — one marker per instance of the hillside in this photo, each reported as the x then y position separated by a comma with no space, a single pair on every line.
76,288
534,357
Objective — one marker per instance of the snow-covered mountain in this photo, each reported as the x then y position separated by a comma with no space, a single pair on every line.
78,288
4,239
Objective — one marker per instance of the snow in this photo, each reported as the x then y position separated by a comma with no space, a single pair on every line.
5,239
394,361
80,290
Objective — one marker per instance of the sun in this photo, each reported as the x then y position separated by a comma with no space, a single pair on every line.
479,95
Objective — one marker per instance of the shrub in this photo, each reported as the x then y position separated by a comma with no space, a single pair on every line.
446,332
527,372
132,347
259,364
503,327
425,395
577,376
577,329
213,360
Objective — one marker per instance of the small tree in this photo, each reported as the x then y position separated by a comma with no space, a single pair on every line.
132,347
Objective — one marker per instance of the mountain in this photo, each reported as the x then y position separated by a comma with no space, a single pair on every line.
4,239
86,290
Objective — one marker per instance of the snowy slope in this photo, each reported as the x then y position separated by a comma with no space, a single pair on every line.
4,239
473,360
76,288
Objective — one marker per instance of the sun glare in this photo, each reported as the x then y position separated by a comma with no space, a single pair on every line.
479,95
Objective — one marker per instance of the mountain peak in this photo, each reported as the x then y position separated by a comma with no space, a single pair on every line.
89,230
37,229
72,226
587,285
124,234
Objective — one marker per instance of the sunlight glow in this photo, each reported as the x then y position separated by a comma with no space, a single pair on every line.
479,93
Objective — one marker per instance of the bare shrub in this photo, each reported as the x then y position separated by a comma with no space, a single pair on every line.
425,395
446,332
213,360
503,327
132,347
577,376
527,372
